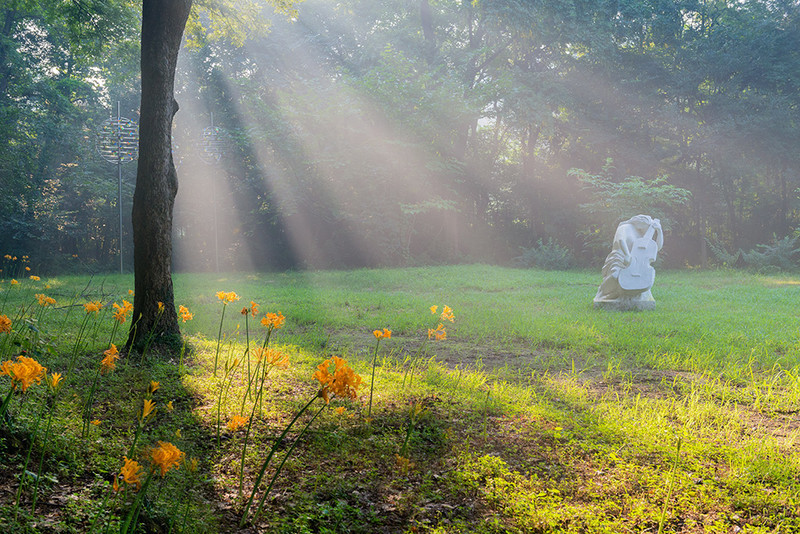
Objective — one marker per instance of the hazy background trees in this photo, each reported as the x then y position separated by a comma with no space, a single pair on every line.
397,132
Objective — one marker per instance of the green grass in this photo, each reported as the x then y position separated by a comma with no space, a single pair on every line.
538,413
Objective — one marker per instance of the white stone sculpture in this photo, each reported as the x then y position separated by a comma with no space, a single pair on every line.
628,273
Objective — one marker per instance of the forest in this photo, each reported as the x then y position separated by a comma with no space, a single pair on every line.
362,133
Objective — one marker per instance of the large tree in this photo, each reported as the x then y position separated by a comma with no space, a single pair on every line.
163,23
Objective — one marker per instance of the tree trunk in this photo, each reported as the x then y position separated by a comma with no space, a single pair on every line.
163,23
427,29
782,224
5,42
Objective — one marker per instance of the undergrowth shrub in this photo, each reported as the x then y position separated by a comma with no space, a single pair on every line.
778,255
551,256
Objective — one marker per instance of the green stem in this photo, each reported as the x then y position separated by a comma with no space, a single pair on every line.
414,362
5,299
41,457
177,505
372,381
225,384
69,307
409,429
250,382
269,457
24,476
185,516
6,401
250,424
113,332
219,337
139,427
247,348
100,511
75,349
264,369
87,411
286,457
133,513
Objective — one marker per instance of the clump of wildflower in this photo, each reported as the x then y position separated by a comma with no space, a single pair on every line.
165,456
5,324
227,297
403,463
273,320
185,314
379,334
149,408
96,422
44,300
13,282
35,278
54,381
343,382
24,372
93,306
121,312
447,313
111,356
439,333
131,473
236,422
272,357
153,387
191,464
385,333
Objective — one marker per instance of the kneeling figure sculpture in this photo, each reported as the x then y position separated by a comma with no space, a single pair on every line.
628,273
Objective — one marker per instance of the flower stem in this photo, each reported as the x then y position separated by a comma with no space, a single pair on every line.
4,406
219,338
285,457
87,411
24,474
250,424
75,350
372,382
133,514
41,457
269,457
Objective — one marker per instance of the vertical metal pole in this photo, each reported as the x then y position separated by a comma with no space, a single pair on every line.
119,184
214,199
216,243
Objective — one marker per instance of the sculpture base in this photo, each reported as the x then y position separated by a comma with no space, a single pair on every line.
625,305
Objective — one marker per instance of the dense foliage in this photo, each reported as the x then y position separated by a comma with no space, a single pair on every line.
397,132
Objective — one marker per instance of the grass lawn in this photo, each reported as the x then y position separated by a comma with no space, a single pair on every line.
537,413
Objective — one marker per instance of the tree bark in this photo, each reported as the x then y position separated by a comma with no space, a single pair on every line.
163,23
427,29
